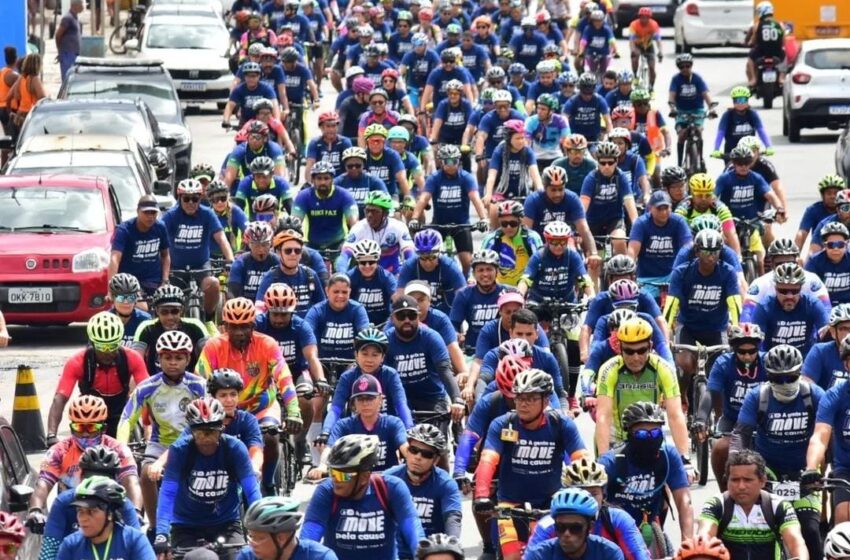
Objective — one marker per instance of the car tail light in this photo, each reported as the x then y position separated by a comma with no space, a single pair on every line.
801,78
692,10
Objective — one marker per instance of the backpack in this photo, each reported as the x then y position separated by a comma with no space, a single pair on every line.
382,492
552,418
90,368
805,392
766,510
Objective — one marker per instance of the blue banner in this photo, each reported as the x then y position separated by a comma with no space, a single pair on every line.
13,25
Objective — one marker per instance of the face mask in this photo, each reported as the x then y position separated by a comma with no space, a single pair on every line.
644,451
86,442
614,342
786,392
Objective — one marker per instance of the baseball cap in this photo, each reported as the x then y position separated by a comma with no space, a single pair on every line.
660,198
405,302
366,385
510,297
147,203
417,287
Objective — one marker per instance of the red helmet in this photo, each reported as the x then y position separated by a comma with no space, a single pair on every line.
646,11
426,14
328,116
390,73
509,367
543,17
11,528
624,112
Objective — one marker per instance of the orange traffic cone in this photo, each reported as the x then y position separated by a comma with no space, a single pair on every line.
26,412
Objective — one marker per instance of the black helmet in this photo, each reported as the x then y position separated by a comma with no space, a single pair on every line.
123,283
290,54
287,222
224,378
217,186
642,412
429,435
101,460
586,80
673,174
168,294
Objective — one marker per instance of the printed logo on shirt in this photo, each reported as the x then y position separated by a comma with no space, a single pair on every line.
660,245
531,50
788,426
743,129
208,486
607,192
338,334
597,42
449,195
252,282
837,376
549,216
287,349
707,297
845,425
189,236
146,250
252,369
411,366
742,194
382,172
482,313
292,80
425,508
456,118
371,298
358,530
739,391
794,333
837,281
250,100
687,90
532,457
586,115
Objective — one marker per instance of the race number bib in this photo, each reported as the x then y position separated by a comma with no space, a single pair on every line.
787,490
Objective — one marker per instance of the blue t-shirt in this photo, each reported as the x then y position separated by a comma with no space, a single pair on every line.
416,362
296,82
125,542
615,98
492,334
454,120
450,196
439,322
633,167
586,115
325,217
529,50
732,385
476,308
140,252
541,358
474,60
602,305
518,163
813,215
782,437
689,92
445,280
137,317
816,237
834,409
702,299
246,273
419,67
735,125
305,283
552,276
62,519
835,276
433,498
399,45
542,211
745,196
390,432
824,366
243,426
242,156
576,174
536,89
798,327
384,167
191,236
395,401
245,98
439,77
304,550
598,548
659,244
359,188
374,293
335,330
319,150
292,340
727,255
607,196
493,125
598,40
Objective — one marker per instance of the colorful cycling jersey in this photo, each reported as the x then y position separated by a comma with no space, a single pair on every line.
611,519
141,252
576,174
812,216
106,381
782,433
454,120
191,236
305,283
689,92
585,115
435,498
374,294
732,382
639,488
597,41
596,548
125,542
389,430
149,332
261,366
656,383
799,327
835,275
244,98
387,119
687,253
546,138
445,280
601,335
417,362
419,67
165,403
335,329
493,333
763,288
602,305
304,550
658,244
745,196
204,490
248,191
824,366
325,218
450,196
514,253
834,410
492,125
644,35
703,304
393,237
540,209
552,276
476,308
395,400
242,156
607,196
320,150
62,461
749,536
137,317
246,273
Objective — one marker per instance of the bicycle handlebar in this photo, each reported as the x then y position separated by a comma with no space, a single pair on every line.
710,350
511,512
764,217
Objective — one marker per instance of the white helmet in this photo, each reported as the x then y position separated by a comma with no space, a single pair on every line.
837,543
502,95
366,249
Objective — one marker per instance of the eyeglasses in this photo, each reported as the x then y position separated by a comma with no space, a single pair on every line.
388,80
607,163
378,103
709,252
632,351
217,199
354,166
341,476
191,199
557,242
419,451
406,315
746,351
784,379
367,263
169,310
451,161
429,257
265,244
87,427
788,291
264,216
652,433
836,244
576,150
291,250
741,100
105,346
572,528
844,207
130,298
509,224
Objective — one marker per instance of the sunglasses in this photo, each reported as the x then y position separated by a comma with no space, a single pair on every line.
640,104
784,379
686,65
451,161
191,199
354,166
429,257
406,315
292,250
741,100
208,433
746,351
87,427
341,476
217,199
169,310
632,351
788,292
652,433
367,263
423,452
558,242
708,252
378,103
576,150
264,217
126,298
509,224
572,528
607,163
836,244
106,347
844,207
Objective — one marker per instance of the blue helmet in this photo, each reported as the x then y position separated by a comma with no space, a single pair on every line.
428,241
517,68
567,78
575,501
625,76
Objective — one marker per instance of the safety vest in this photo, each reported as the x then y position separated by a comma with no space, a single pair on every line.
4,89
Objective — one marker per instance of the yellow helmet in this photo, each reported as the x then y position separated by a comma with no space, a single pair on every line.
634,330
701,183
584,473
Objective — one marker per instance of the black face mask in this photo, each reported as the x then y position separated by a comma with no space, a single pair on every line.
644,451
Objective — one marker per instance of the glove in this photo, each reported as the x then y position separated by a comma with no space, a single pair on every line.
225,125
482,225
413,225
51,440
665,152
36,521
810,477
483,505
292,425
673,113
660,57
712,114
322,387
717,154
161,545
321,439
463,482
769,151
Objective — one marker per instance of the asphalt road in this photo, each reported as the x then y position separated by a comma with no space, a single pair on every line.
800,167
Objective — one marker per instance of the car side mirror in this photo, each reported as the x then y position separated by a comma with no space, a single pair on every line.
166,141
19,497
162,187
132,45
6,143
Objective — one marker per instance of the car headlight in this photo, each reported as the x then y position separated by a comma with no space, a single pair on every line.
91,260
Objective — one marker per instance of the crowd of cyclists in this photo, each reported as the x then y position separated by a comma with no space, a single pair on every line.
359,328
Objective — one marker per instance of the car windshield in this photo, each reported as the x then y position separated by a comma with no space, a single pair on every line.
158,96
174,36
52,209
829,59
79,120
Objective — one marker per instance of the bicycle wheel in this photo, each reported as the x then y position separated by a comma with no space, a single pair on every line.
117,40
693,159
294,165
660,547
289,471
701,448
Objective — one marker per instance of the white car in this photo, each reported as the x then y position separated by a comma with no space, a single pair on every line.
817,89
219,7
711,23
193,49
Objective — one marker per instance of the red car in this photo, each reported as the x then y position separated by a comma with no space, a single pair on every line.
55,232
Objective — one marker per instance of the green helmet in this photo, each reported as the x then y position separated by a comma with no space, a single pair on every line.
375,130
99,491
549,100
274,514
398,133
705,221
380,199
751,142
831,181
105,329
740,91
640,94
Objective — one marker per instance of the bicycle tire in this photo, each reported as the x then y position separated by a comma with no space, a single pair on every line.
660,547
117,38
749,265
701,448
288,466
295,165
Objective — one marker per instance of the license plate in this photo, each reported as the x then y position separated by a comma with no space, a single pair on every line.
839,110
728,35
193,86
827,31
787,490
30,295
769,76
659,9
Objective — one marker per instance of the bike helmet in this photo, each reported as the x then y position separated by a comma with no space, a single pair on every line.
625,77
597,15
370,336
837,543
576,142
428,241
548,66
12,529
362,84
584,473
353,72
262,104
740,91
533,381
105,329
86,409
554,175
290,54
257,127
620,265
273,514
550,101
574,501
702,547
634,330
485,256
262,165
834,228
516,347
672,175
517,69
375,130
587,81
783,246
502,96
740,154
557,230
380,199
174,341
764,9
567,78
701,183
205,412
366,249
843,197
288,222
283,236
189,186
506,372
618,316
646,11
419,39
839,314
623,112
398,133
751,142
100,459
328,117
354,453
354,152
745,332
607,150
252,67
642,412
167,295
238,311
224,378
513,126
448,151
322,168
264,203
705,221
623,289
622,134
124,283
217,186
708,240
510,208
830,181
495,73
440,543
783,359
449,55
100,490
684,58
429,435
378,92
280,298
258,232
789,273
426,14
640,95
204,170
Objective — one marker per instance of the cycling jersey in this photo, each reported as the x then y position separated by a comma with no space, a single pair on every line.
125,542
244,98
437,499
835,275
798,327
834,409
528,50
141,252
242,156
551,276
476,308
445,280
735,125
261,366
61,463
246,273
137,317
644,35
704,303
320,150
586,115
659,244
824,366
304,550
335,330
689,92
514,252
393,238
387,119
602,305
304,282
191,236
607,196
493,333
454,120
389,430
395,399
625,533
764,287
601,335
149,332
749,536
547,138
421,363
233,222
656,383
165,404
325,219
576,174
596,548
745,196
541,210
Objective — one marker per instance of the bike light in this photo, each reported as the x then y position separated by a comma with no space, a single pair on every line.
569,321
91,260
692,10
801,78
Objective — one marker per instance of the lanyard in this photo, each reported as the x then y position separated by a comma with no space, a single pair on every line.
105,550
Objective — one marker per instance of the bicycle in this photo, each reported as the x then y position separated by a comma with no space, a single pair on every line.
221,270
290,467
642,76
129,29
745,229
329,255
698,391
692,159
193,297
294,123
219,546
525,515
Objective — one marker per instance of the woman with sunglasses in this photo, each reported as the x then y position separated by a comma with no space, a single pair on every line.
249,267
371,284
230,214
124,292
397,98
832,264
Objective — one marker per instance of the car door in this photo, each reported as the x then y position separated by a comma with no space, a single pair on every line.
16,470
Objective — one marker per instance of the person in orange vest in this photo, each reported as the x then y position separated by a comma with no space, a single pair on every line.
650,122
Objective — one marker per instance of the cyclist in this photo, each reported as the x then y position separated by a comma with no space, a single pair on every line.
577,163
249,267
139,247
439,545
842,214
737,122
309,256
528,44
303,280
732,376
829,186
688,96
512,241
378,114
630,163
507,450
271,524
257,144
355,181
336,320
767,39
399,139
160,396
748,534
300,85
354,106
643,470
645,40
476,304
547,130
87,414
673,181
416,65
620,97
243,96
390,233
490,130
654,240
262,181
371,285
597,44
790,317
200,494
451,116
124,290
609,83
587,110
397,98
329,146
441,272
419,145
99,502
831,264
326,212
263,115
702,200
230,215
650,122
824,363
547,71
603,350
496,331
266,208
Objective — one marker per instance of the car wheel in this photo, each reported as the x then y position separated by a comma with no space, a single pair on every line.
793,129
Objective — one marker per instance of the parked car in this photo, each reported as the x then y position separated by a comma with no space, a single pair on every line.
17,484
711,23
817,89
626,11
132,78
55,231
118,158
842,153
